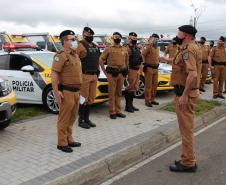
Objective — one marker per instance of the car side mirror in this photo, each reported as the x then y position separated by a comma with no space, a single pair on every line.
28,68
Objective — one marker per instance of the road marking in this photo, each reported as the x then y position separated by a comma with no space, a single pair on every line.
135,167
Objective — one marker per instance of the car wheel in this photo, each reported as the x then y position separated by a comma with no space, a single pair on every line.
140,92
49,101
4,124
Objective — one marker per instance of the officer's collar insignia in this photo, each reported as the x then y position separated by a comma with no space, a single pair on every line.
56,59
186,56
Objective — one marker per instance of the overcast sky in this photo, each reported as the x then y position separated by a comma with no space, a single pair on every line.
107,16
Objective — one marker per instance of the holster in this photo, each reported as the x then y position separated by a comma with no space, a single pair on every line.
178,90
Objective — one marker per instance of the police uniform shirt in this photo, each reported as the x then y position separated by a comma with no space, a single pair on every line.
117,56
68,65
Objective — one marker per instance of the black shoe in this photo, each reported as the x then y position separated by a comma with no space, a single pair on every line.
220,96
177,161
154,103
113,116
120,115
74,144
66,149
178,167
129,109
215,97
83,124
148,104
86,116
90,123
135,109
202,90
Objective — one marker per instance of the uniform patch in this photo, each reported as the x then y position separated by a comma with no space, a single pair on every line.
186,56
56,59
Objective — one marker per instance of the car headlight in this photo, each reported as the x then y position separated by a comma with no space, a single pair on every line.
163,71
5,87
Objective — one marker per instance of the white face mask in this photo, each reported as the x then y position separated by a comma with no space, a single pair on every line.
74,45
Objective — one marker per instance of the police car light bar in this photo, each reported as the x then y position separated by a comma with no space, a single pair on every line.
13,47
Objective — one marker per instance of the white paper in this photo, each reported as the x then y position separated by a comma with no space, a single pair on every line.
82,99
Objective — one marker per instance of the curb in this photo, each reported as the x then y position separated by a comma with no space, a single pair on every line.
137,150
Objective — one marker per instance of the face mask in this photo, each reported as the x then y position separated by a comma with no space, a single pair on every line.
155,42
117,41
179,40
134,42
211,45
201,42
174,43
89,38
74,45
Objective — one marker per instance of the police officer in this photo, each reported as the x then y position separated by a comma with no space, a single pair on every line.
218,60
135,60
211,45
172,49
66,82
89,56
186,73
151,63
205,64
116,72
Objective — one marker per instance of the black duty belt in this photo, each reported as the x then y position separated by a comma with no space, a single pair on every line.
215,63
152,66
205,61
68,88
89,72
134,67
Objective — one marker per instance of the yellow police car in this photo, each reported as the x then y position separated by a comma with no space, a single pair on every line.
29,72
7,103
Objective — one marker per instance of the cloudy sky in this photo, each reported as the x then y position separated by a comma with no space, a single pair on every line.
107,16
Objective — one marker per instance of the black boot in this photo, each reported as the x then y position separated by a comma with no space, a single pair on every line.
128,107
132,96
87,120
81,119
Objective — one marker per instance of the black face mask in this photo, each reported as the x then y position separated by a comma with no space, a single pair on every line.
179,40
201,42
134,42
89,38
117,41
211,45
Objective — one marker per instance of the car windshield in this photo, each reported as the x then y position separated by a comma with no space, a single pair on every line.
99,40
45,58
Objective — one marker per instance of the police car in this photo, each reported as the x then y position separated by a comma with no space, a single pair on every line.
29,71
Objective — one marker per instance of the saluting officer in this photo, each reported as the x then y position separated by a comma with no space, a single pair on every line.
218,59
151,63
135,60
66,82
89,56
205,64
172,49
116,72
186,73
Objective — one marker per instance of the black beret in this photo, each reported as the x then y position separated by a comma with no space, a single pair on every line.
222,38
188,29
203,38
89,30
133,34
66,32
155,35
117,33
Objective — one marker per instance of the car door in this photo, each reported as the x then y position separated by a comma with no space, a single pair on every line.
23,82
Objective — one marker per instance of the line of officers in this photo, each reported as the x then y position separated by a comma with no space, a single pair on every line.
75,71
